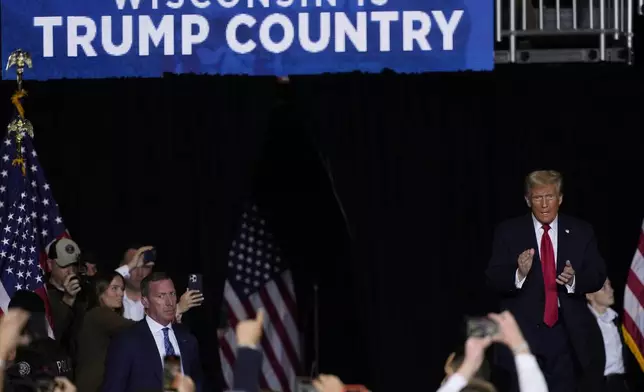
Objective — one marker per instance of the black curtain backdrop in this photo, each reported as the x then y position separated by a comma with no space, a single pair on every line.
423,165
166,162
427,165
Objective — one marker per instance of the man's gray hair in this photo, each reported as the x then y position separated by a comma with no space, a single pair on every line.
543,177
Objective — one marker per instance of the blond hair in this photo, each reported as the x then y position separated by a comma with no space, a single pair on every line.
543,177
476,384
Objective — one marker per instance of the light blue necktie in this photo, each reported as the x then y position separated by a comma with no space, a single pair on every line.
169,349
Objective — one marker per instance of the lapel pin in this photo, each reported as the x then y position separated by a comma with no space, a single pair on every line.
567,231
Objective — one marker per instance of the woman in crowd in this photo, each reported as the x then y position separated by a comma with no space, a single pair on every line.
102,321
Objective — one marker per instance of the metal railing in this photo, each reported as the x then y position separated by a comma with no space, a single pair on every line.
603,19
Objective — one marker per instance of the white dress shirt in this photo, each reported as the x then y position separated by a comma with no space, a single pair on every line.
132,310
157,333
612,341
531,378
553,233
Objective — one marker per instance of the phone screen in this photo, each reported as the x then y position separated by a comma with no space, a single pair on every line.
150,255
481,327
195,282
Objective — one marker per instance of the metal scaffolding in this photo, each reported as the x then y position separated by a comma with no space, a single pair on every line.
565,31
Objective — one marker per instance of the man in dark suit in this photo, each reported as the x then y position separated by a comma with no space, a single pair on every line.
615,361
135,357
543,264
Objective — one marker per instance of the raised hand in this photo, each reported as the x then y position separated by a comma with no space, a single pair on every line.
190,299
567,275
328,383
137,259
524,262
64,385
249,332
72,287
474,356
509,332
11,327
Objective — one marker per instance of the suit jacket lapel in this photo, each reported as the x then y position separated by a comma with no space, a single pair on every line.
184,348
563,242
626,352
531,234
150,345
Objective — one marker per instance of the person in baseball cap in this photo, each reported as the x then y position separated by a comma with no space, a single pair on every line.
63,288
64,252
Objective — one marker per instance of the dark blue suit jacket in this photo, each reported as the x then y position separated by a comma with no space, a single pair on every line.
576,243
247,370
133,363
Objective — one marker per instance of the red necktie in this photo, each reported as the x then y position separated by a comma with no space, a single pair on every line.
551,311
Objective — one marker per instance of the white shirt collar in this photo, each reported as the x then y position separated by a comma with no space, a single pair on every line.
607,317
155,326
554,225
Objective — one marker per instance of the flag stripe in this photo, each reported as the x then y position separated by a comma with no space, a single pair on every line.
258,278
4,299
633,339
243,311
275,339
276,322
286,319
29,220
267,378
633,308
636,289
637,267
227,358
235,312
266,345
633,328
286,294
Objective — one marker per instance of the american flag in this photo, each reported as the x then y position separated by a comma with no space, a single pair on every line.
29,219
633,326
259,278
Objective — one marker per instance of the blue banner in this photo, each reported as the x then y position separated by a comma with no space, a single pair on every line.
119,38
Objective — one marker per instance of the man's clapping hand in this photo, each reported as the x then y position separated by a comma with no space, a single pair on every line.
525,262
567,275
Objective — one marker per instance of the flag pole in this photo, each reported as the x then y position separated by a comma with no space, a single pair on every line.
20,126
315,369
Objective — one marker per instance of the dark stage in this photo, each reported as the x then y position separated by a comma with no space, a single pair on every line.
423,167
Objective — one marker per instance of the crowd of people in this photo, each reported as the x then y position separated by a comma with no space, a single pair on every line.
107,330
117,330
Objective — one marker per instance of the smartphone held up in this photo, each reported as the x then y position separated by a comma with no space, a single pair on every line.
150,256
481,327
195,282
